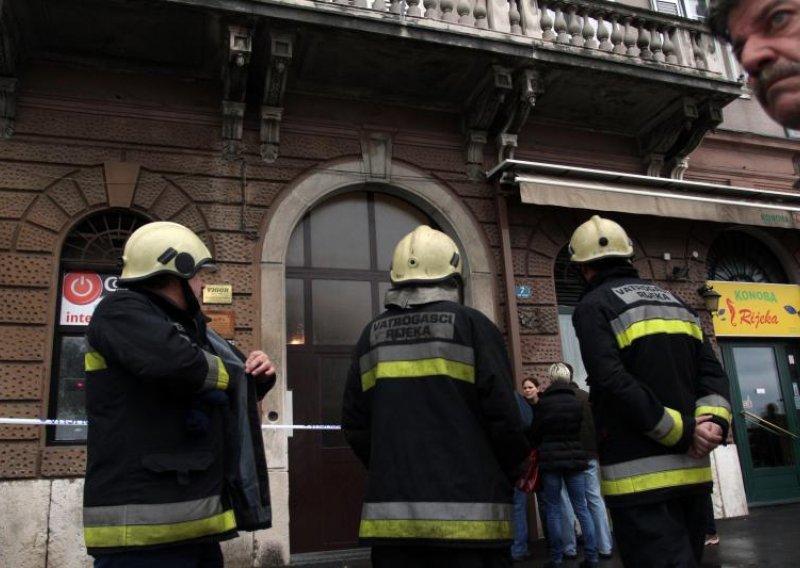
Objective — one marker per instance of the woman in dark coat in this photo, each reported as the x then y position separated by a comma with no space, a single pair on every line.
556,432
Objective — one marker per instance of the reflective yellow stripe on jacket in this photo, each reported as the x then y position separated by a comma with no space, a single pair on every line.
642,321
669,429
93,361
442,521
658,472
217,377
715,405
419,360
142,525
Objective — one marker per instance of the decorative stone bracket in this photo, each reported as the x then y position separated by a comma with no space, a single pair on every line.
8,105
280,57
10,48
528,85
481,112
234,73
676,133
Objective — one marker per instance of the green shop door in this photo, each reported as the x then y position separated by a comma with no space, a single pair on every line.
766,406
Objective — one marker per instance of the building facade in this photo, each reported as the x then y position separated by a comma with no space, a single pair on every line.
301,139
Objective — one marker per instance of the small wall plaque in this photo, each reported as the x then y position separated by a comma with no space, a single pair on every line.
218,294
522,292
223,322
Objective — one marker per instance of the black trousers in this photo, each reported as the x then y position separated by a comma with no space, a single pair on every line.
669,534
440,557
205,555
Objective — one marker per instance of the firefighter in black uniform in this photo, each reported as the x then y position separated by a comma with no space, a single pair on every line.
660,401
429,409
175,458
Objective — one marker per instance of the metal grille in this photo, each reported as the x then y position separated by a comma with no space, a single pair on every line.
569,285
98,241
737,257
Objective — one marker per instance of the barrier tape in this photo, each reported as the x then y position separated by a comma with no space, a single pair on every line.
52,422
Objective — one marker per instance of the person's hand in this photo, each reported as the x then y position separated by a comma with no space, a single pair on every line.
259,364
707,436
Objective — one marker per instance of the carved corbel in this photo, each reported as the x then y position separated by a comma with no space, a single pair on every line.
8,105
660,135
280,57
234,71
481,112
709,117
528,86
10,47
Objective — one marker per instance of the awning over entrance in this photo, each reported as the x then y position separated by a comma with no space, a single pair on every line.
600,190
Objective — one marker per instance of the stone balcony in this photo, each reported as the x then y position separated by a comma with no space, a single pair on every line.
491,64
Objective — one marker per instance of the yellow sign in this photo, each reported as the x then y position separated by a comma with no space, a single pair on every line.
757,310
218,294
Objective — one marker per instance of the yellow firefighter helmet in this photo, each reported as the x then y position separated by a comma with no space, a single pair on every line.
425,255
163,247
599,238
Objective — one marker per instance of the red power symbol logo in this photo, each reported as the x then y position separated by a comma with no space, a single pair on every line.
82,287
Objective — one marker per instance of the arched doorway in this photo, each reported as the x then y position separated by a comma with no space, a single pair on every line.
763,367
336,277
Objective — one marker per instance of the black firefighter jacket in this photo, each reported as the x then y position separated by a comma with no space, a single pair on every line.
175,453
651,372
429,409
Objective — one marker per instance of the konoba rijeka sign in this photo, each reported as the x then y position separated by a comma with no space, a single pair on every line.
760,310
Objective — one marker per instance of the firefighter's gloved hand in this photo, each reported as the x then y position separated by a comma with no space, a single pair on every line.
198,420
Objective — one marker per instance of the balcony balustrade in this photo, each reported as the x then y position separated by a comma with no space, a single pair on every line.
598,29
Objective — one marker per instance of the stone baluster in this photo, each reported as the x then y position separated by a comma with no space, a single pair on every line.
448,15
465,13
574,27
379,5
561,26
603,34
643,43
617,35
669,47
546,21
514,17
396,7
413,8
700,60
630,37
657,43
588,31
431,9
481,21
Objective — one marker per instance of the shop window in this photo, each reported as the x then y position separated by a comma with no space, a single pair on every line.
569,288
737,256
90,263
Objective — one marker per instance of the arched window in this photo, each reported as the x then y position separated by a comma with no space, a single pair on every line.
90,263
736,256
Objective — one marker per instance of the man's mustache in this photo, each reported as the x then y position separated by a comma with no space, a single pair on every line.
771,74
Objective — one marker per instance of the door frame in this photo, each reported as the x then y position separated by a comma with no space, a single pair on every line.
766,485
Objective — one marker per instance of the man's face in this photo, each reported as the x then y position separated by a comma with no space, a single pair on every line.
766,40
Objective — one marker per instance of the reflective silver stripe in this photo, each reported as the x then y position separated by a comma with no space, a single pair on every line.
431,350
712,400
654,464
437,511
664,427
162,513
643,313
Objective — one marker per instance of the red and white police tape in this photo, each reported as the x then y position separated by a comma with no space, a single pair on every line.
56,422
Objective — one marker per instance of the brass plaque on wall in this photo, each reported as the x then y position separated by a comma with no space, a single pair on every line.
223,322
218,294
